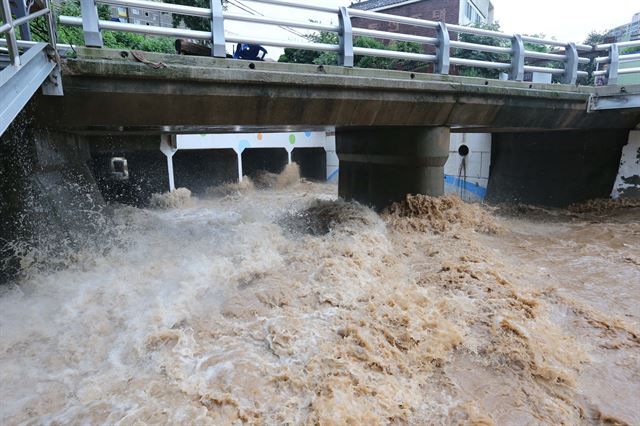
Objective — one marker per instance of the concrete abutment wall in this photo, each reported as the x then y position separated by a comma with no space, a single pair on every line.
554,168
49,199
628,181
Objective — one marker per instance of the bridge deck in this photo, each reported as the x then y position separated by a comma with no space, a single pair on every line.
109,90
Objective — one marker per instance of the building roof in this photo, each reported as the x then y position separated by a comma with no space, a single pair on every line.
377,4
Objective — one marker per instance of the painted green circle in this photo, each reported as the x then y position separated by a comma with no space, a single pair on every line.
292,139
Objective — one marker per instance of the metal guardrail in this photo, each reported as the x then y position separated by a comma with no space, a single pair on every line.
9,28
569,57
614,59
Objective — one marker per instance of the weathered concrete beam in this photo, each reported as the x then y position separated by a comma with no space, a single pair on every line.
106,92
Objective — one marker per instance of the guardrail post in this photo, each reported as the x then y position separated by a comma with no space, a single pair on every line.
443,50
345,58
614,65
90,24
12,44
517,60
570,75
218,48
21,10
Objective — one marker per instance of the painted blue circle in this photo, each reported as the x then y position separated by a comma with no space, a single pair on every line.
307,134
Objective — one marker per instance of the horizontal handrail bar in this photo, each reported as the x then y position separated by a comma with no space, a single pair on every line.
480,47
480,64
4,28
421,57
394,36
162,7
206,13
629,70
320,47
478,31
622,58
551,56
280,22
529,68
25,44
314,7
34,15
141,29
357,13
536,40
198,35
621,45
620,71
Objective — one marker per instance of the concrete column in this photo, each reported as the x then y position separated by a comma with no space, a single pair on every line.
381,165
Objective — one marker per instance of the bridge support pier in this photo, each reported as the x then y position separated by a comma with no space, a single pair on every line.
381,165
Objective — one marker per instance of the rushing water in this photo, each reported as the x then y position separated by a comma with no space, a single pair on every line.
286,306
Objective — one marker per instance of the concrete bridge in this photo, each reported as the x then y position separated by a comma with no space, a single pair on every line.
392,128
553,144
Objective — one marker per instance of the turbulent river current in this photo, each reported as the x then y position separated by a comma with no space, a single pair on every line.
288,306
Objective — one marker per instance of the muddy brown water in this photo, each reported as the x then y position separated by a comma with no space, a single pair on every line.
287,306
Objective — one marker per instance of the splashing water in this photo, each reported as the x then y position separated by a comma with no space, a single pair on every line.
289,306
181,197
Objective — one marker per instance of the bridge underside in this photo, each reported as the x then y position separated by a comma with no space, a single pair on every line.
392,128
108,91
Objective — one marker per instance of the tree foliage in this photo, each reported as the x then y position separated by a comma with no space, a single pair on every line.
112,39
482,56
194,22
301,56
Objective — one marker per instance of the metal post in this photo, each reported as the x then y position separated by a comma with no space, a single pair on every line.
444,49
12,44
218,48
517,59
21,10
346,38
172,184
570,75
239,154
614,65
90,24
52,32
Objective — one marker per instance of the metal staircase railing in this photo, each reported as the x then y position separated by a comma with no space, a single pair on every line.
36,66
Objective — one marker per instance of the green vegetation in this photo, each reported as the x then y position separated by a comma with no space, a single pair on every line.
482,56
111,39
300,56
193,22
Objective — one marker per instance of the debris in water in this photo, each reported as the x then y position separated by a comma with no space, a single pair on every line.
438,214
179,198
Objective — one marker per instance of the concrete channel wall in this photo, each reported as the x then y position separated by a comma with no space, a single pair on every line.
627,183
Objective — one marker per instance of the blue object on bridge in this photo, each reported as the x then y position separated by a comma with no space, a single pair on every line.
249,52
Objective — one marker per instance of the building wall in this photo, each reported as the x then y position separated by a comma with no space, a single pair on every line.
432,10
140,16
626,32
475,12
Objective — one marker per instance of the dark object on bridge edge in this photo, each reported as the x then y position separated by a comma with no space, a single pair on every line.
249,52
184,47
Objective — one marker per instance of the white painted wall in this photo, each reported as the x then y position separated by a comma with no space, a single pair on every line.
477,164
629,165
333,165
